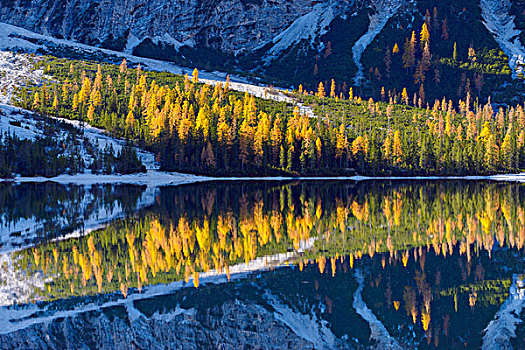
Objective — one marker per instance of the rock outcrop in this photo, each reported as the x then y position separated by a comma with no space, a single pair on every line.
231,26
232,325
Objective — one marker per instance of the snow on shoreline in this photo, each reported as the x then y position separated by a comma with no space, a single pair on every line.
384,10
152,178
162,178
503,327
498,20
378,332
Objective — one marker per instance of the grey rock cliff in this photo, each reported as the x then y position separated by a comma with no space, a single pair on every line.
230,26
233,325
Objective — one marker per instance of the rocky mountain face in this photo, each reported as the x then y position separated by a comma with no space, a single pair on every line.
231,26
232,325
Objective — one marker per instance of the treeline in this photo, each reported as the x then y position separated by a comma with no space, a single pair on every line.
439,50
403,137
207,129
42,156
48,156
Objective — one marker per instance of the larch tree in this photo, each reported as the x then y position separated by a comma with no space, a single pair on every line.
395,50
425,35
332,89
397,150
320,90
195,76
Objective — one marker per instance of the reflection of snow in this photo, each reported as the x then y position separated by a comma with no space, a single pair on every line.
384,10
306,327
16,318
377,329
503,327
88,211
499,21
15,285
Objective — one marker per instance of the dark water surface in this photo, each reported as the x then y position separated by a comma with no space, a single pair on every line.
407,264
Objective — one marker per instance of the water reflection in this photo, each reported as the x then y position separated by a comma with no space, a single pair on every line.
437,258
33,212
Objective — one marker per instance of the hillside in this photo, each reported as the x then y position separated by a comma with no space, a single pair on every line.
305,42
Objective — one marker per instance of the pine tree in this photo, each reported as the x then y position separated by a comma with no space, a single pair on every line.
409,55
388,62
444,30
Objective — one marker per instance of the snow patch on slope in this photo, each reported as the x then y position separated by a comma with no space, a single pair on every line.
503,327
378,331
499,21
15,70
167,39
384,10
14,123
313,24
102,139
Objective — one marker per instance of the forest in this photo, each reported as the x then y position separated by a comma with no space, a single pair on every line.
204,129
61,149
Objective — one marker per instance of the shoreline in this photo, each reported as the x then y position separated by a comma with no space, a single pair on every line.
155,178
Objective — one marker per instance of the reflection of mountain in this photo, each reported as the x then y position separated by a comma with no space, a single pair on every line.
434,302
434,272
438,301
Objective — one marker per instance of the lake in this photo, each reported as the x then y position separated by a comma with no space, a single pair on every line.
263,264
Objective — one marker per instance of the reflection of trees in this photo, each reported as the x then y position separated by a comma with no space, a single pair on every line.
469,296
62,208
199,228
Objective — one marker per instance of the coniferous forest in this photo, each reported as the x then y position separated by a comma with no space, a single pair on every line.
198,128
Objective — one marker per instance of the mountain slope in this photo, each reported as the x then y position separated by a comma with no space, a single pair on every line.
304,42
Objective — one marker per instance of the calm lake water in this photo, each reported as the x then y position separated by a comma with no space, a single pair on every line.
374,264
